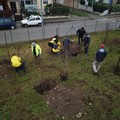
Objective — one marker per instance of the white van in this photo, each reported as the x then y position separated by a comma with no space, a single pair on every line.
31,21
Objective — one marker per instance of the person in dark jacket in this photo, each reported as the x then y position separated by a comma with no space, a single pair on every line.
66,43
86,41
80,32
100,56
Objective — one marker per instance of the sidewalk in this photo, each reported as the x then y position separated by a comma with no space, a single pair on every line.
71,17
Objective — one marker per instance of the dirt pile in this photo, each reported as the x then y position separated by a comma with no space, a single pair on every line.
65,102
75,49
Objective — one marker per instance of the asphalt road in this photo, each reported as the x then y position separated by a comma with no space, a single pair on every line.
60,28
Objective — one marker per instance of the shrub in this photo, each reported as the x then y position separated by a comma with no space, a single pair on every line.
59,11
47,9
100,7
56,9
116,8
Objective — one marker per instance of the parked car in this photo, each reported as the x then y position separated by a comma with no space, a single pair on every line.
7,23
32,20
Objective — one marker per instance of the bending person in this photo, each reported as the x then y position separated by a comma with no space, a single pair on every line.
17,63
100,55
36,51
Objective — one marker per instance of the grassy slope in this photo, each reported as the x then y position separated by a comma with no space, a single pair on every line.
19,101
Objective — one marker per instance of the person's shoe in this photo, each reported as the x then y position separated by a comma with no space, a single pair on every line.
94,73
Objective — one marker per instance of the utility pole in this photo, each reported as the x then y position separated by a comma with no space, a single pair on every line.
24,3
92,4
110,6
41,2
73,3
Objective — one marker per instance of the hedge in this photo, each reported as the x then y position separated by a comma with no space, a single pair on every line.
100,7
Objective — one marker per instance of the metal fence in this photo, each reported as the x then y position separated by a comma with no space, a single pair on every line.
61,29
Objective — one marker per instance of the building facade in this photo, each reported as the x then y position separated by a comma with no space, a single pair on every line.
16,4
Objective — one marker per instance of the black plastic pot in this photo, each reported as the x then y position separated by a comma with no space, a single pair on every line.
63,76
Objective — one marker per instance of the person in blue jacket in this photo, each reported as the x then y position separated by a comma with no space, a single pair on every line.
100,56
86,41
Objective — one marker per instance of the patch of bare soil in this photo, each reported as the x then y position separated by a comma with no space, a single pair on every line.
113,42
5,68
66,102
117,70
4,61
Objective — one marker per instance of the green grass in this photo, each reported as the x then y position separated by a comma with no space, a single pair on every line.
79,13
19,101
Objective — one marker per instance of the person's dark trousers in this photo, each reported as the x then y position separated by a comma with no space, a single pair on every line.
86,49
80,40
50,44
21,67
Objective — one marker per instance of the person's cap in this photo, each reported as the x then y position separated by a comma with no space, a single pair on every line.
33,44
102,45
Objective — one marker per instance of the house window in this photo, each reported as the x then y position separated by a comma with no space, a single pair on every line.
13,6
45,1
1,8
27,2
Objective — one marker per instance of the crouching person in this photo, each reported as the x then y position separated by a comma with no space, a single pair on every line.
53,41
36,50
100,55
17,63
56,49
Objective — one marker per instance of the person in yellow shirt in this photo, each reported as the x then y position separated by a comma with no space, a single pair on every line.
56,49
17,63
36,51
53,41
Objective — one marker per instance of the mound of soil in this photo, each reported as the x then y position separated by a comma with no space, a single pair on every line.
75,49
65,102
5,71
